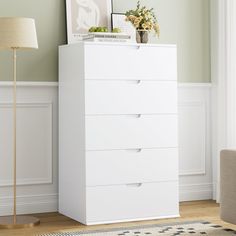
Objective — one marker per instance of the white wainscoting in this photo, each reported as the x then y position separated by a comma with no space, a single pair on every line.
37,142
34,143
195,163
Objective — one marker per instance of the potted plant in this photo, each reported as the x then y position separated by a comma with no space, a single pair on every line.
144,20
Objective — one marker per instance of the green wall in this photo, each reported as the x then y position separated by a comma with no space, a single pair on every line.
183,22
40,64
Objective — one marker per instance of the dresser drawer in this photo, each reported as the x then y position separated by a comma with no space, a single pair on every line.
130,62
135,201
131,166
130,131
130,97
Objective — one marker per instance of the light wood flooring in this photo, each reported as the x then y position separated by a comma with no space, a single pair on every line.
54,222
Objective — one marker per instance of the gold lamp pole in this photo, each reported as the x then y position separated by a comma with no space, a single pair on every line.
17,33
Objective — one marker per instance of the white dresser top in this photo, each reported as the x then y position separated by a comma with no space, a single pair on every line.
120,44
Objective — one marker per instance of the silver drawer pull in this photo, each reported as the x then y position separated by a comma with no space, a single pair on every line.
133,81
134,150
134,115
136,46
135,185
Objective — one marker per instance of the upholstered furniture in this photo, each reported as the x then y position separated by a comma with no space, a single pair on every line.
228,186
118,142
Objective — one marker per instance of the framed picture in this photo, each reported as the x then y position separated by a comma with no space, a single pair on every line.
118,21
83,14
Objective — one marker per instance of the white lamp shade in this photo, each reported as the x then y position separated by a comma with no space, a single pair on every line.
17,32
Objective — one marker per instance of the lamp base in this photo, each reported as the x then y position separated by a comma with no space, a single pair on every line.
7,222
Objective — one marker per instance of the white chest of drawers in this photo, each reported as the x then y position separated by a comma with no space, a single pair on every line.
118,147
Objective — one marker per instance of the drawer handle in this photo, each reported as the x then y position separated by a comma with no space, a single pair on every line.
136,46
135,185
133,81
134,115
134,150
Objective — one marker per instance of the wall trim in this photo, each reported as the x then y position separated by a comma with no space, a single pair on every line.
36,192
55,84
33,181
194,85
195,111
43,197
202,170
29,204
28,84
28,105
191,192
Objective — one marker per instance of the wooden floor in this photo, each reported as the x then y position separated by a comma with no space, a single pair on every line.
54,222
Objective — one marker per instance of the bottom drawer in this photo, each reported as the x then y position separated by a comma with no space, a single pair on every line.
131,202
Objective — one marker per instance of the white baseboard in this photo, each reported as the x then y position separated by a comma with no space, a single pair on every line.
192,192
29,204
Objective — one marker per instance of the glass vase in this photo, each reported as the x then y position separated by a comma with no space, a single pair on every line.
141,36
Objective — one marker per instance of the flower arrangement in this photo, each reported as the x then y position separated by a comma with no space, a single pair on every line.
143,18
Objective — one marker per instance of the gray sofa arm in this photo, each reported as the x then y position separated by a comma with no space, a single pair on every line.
228,186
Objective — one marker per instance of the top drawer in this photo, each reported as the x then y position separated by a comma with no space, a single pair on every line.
135,61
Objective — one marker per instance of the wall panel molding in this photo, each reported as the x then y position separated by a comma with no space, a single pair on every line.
195,158
193,115
37,144
35,195
34,143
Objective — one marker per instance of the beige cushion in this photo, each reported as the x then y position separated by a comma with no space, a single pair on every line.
228,185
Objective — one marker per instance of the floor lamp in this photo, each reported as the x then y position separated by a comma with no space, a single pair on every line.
17,33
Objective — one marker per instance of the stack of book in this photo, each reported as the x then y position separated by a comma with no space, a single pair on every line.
105,37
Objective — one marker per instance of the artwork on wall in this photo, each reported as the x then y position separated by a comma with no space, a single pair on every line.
118,21
83,14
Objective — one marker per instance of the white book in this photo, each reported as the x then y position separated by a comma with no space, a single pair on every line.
107,40
109,35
